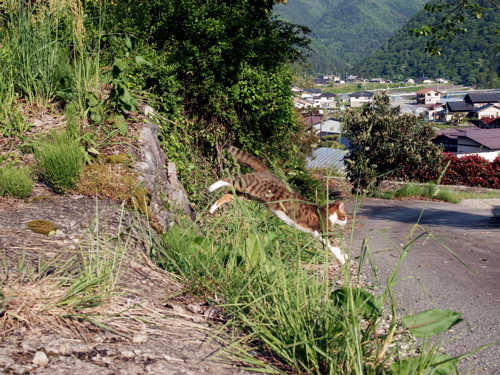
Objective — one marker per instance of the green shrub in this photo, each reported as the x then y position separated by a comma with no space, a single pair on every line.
16,182
60,160
279,287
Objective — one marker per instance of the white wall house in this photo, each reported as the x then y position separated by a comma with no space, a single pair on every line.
359,98
489,110
327,127
428,96
302,104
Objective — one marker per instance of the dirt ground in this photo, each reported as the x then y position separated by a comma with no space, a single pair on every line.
150,327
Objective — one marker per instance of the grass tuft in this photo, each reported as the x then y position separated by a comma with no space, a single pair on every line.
60,160
17,182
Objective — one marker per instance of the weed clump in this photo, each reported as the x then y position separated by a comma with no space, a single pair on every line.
16,182
60,160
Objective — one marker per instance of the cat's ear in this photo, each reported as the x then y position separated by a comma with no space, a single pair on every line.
341,206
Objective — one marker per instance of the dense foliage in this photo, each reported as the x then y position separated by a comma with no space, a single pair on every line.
469,170
228,69
344,32
470,58
383,140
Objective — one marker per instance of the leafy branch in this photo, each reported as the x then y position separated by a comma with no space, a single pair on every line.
451,23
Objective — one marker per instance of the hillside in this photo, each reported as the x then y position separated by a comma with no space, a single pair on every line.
471,58
346,31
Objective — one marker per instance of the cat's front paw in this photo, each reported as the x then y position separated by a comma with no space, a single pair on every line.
339,254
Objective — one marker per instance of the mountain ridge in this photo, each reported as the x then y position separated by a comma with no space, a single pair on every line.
346,31
471,58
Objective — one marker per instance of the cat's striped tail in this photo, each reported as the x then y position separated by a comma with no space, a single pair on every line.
253,162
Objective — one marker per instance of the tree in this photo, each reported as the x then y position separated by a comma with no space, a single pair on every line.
454,14
230,60
383,141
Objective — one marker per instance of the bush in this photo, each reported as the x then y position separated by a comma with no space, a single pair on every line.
16,182
469,170
60,160
384,141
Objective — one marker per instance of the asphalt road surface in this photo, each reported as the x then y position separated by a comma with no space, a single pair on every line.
435,278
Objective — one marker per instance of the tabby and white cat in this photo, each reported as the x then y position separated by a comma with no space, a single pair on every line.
284,202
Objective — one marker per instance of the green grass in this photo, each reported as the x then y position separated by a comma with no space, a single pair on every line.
17,182
60,160
276,285
432,191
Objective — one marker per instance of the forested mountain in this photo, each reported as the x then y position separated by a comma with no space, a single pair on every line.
346,31
470,58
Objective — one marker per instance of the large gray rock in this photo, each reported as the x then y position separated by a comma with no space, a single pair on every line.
160,178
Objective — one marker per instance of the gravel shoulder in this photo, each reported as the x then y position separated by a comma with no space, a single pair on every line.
152,327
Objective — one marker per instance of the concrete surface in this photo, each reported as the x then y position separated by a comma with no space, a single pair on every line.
436,278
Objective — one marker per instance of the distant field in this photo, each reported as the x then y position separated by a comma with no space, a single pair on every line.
349,88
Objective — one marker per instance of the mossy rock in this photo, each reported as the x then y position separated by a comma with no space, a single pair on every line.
119,159
42,227
140,201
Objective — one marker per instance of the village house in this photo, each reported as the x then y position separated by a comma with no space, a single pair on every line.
468,140
424,80
302,103
486,111
310,94
325,100
487,123
312,119
352,79
428,96
434,112
377,80
454,109
328,127
480,99
357,99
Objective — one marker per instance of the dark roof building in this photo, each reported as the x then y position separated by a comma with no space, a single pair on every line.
459,106
327,95
471,139
482,98
358,94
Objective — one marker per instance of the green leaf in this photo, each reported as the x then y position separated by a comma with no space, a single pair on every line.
118,67
119,122
365,303
142,61
128,42
440,364
431,322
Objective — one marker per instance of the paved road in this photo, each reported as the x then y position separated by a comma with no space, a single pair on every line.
439,279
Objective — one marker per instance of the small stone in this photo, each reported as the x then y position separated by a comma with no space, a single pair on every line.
40,359
127,353
139,337
195,308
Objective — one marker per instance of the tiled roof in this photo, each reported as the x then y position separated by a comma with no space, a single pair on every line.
487,120
486,137
482,97
362,93
459,106
425,91
312,91
489,138
486,106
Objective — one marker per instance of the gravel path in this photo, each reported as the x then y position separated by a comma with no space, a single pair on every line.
489,204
